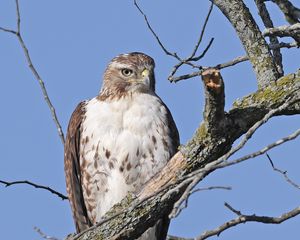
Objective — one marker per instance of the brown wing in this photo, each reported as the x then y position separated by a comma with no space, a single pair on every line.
162,225
72,170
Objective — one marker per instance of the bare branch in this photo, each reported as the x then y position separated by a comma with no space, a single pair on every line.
201,37
222,162
258,124
43,235
8,184
188,192
265,16
154,34
251,37
176,208
284,31
248,218
264,150
170,237
284,173
191,58
227,205
232,62
284,45
291,13
8,30
35,73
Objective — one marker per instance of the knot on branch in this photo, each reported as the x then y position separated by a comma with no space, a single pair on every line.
213,81
214,101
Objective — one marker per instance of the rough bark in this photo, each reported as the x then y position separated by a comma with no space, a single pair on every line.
254,43
136,213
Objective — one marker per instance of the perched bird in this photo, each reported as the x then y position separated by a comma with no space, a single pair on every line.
117,141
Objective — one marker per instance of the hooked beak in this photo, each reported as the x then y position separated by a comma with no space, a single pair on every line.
145,73
145,78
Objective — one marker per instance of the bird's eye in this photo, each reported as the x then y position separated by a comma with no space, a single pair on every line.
126,72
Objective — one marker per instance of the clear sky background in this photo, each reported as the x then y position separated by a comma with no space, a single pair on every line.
70,43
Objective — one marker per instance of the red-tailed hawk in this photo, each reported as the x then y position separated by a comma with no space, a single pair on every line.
117,141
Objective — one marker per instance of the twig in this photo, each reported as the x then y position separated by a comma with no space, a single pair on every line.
170,237
232,209
177,209
192,58
284,173
232,62
248,218
154,34
185,61
34,71
262,151
43,235
8,184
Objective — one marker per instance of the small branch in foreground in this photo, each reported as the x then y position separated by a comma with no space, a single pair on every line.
34,71
241,218
262,151
177,209
284,173
8,184
43,235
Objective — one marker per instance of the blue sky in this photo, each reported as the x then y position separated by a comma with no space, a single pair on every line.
70,43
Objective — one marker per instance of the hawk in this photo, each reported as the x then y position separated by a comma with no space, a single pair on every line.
117,141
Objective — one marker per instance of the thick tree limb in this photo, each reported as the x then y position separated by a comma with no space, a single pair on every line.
265,16
253,41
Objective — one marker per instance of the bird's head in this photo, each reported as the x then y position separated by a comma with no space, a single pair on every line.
129,73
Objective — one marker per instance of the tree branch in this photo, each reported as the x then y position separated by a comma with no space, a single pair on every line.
8,184
43,235
284,31
182,61
241,218
284,173
35,72
214,101
254,43
291,13
265,16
